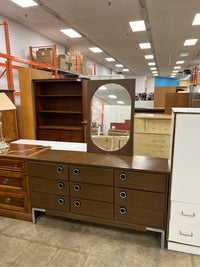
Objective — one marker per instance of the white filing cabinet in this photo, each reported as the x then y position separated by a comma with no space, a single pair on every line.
184,208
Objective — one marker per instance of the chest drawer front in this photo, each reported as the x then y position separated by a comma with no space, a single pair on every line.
43,185
13,165
49,201
48,170
184,233
91,191
14,180
147,217
185,213
140,199
91,175
92,208
8,201
140,180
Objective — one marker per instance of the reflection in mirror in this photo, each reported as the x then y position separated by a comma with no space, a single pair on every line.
110,117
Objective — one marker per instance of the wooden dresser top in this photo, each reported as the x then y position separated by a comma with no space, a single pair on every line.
22,151
104,160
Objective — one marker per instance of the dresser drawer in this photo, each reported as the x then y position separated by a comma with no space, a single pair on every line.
147,217
91,175
48,170
140,180
151,150
153,139
185,213
44,185
92,208
184,233
8,201
139,124
12,180
140,199
49,201
91,191
13,165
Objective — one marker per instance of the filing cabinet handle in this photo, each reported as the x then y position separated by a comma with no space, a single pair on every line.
60,169
123,194
77,187
76,171
6,181
8,200
77,203
188,215
61,185
190,235
123,176
61,201
122,210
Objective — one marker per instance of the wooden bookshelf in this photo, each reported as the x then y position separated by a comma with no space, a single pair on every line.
61,110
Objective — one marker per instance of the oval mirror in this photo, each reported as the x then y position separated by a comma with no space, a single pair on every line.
110,117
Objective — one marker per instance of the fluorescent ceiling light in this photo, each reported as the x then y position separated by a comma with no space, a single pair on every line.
152,63
119,65
155,75
184,54
196,20
172,76
120,102
25,3
137,26
177,67
149,56
145,45
125,69
96,49
154,72
190,42
109,59
112,96
71,33
154,68
174,71
102,87
180,62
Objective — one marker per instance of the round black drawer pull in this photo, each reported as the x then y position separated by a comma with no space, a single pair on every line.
122,210
77,187
76,171
60,169
61,185
123,176
77,203
61,201
123,194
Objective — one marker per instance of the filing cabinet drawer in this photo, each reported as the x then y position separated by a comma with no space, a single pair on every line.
184,233
91,175
13,165
49,201
44,185
140,199
140,180
48,170
147,217
92,208
12,202
91,191
185,213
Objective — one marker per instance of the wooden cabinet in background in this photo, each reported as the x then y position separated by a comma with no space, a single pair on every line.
152,135
61,109
9,119
26,75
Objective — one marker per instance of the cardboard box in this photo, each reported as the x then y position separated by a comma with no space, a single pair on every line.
45,56
89,70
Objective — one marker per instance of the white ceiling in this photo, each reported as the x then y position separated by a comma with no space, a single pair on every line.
107,26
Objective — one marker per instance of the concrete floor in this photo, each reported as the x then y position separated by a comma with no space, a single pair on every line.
60,242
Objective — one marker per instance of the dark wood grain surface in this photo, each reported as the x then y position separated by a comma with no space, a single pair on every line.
141,163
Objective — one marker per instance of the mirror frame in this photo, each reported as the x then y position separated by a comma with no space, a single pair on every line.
93,85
